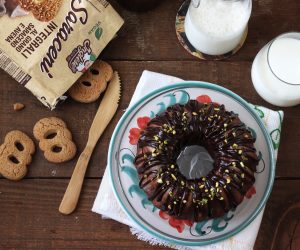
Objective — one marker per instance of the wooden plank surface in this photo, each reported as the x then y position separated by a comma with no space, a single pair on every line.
151,35
232,75
29,219
28,209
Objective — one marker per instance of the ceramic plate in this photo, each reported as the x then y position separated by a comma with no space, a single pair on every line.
125,178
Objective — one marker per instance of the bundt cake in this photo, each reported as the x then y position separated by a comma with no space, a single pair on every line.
228,141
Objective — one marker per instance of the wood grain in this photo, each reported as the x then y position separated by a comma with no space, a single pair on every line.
151,35
280,224
104,114
28,209
29,218
232,75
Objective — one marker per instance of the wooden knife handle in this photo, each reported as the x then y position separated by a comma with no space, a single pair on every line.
71,196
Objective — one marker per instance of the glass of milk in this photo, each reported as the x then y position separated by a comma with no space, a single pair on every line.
276,70
216,27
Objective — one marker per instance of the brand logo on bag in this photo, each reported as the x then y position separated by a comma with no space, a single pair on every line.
76,14
81,57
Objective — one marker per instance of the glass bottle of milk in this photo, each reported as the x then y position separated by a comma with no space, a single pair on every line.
216,27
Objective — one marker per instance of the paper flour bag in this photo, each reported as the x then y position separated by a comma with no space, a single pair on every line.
46,45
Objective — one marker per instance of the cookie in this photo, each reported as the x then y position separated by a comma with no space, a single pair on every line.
92,83
43,10
15,155
55,139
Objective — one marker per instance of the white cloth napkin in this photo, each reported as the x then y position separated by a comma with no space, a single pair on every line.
107,205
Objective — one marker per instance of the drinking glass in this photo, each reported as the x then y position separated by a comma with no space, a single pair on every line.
216,27
276,70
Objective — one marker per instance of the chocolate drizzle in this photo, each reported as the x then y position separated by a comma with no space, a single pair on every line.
227,140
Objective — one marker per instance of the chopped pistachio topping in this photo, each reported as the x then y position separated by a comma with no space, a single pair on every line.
159,181
242,164
221,198
182,183
226,171
172,166
228,181
203,201
201,186
235,146
184,201
244,158
174,177
175,202
217,184
243,175
194,113
225,125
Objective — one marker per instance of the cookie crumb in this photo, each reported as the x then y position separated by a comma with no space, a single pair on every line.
18,106
53,172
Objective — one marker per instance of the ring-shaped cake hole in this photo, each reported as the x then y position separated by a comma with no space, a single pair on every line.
194,162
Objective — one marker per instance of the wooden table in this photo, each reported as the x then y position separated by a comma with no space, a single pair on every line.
29,209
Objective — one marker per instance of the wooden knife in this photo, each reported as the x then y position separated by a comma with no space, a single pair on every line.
105,113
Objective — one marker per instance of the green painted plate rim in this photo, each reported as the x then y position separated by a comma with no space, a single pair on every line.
207,85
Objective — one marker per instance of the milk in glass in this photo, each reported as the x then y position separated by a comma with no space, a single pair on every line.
276,71
216,27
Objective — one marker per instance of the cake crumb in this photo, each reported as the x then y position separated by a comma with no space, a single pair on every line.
18,106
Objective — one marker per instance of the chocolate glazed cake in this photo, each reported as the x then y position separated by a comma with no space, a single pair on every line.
226,139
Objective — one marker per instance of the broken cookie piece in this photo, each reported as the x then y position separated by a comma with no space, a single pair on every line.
18,106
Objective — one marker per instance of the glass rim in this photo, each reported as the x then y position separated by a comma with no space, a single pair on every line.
268,56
